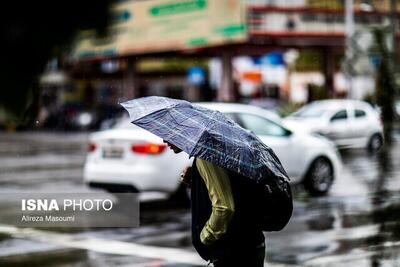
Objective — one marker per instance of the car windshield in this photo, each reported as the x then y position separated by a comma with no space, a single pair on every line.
311,111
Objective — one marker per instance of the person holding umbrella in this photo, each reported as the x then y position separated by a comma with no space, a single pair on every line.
213,208
230,163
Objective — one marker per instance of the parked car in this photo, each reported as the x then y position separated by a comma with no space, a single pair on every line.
73,116
348,123
96,118
129,158
60,118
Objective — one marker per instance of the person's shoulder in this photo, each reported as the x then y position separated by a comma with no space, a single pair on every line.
202,162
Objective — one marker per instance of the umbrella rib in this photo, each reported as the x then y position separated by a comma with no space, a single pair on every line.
213,120
148,114
175,132
183,115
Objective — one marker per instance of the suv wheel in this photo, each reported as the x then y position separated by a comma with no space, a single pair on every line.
375,142
319,177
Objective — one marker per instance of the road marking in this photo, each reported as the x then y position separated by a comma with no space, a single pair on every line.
105,246
355,256
173,255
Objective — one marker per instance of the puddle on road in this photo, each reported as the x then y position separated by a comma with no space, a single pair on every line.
82,258
343,224
57,258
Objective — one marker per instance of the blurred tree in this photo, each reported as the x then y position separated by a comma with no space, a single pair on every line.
385,82
309,60
31,33
316,92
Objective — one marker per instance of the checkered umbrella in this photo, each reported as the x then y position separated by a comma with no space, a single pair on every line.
206,134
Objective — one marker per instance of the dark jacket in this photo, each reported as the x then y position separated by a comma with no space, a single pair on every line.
244,229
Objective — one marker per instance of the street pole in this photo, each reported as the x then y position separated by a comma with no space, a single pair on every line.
226,91
393,23
290,58
349,20
130,81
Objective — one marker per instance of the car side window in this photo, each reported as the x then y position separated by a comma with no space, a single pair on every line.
340,115
358,113
261,126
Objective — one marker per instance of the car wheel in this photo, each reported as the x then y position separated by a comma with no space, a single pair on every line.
319,177
375,142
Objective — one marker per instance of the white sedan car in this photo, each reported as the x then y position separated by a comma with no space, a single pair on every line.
348,123
127,158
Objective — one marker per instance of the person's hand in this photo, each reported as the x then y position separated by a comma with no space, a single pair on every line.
186,177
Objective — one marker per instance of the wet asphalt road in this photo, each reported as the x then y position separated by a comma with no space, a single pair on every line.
357,224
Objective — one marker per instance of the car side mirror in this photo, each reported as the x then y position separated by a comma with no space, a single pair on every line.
288,132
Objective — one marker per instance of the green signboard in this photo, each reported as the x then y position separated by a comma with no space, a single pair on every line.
168,25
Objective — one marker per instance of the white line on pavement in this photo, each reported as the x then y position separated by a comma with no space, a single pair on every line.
105,246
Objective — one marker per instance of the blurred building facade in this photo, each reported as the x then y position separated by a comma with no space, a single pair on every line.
243,48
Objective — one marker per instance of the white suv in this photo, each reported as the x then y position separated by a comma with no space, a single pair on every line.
348,123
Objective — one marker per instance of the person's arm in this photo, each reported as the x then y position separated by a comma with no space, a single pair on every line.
220,193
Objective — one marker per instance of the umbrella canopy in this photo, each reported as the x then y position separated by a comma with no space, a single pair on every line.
206,134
